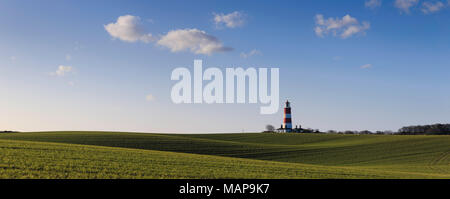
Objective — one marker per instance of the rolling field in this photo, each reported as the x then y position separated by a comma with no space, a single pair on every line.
138,155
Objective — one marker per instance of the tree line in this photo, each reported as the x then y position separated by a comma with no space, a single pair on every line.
434,129
8,132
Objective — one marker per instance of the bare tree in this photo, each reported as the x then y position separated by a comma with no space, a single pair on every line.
270,128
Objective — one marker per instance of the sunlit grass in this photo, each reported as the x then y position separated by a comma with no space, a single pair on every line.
132,155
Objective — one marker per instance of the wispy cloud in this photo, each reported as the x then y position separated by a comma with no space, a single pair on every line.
128,28
366,66
344,27
149,98
251,53
405,5
432,7
231,20
194,40
372,4
77,46
63,70
337,58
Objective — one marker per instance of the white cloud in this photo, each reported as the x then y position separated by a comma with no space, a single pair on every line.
13,58
251,53
63,70
128,28
344,28
405,5
366,66
68,57
149,97
430,7
71,83
372,4
194,40
231,20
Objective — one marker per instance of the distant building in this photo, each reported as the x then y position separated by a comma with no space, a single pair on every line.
286,127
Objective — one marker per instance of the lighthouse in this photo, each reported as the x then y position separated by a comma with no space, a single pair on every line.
287,121
286,127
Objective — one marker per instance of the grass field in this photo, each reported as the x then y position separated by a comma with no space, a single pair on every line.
138,155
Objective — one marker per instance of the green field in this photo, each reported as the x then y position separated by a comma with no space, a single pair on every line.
141,155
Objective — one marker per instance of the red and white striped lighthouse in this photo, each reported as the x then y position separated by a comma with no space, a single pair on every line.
287,122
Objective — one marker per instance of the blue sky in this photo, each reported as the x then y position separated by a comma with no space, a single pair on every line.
376,65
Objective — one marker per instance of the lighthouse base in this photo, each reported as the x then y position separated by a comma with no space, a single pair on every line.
284,130
292,130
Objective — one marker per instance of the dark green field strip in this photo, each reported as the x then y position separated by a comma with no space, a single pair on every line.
160,142
278,139
25,159
266,138
321,140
